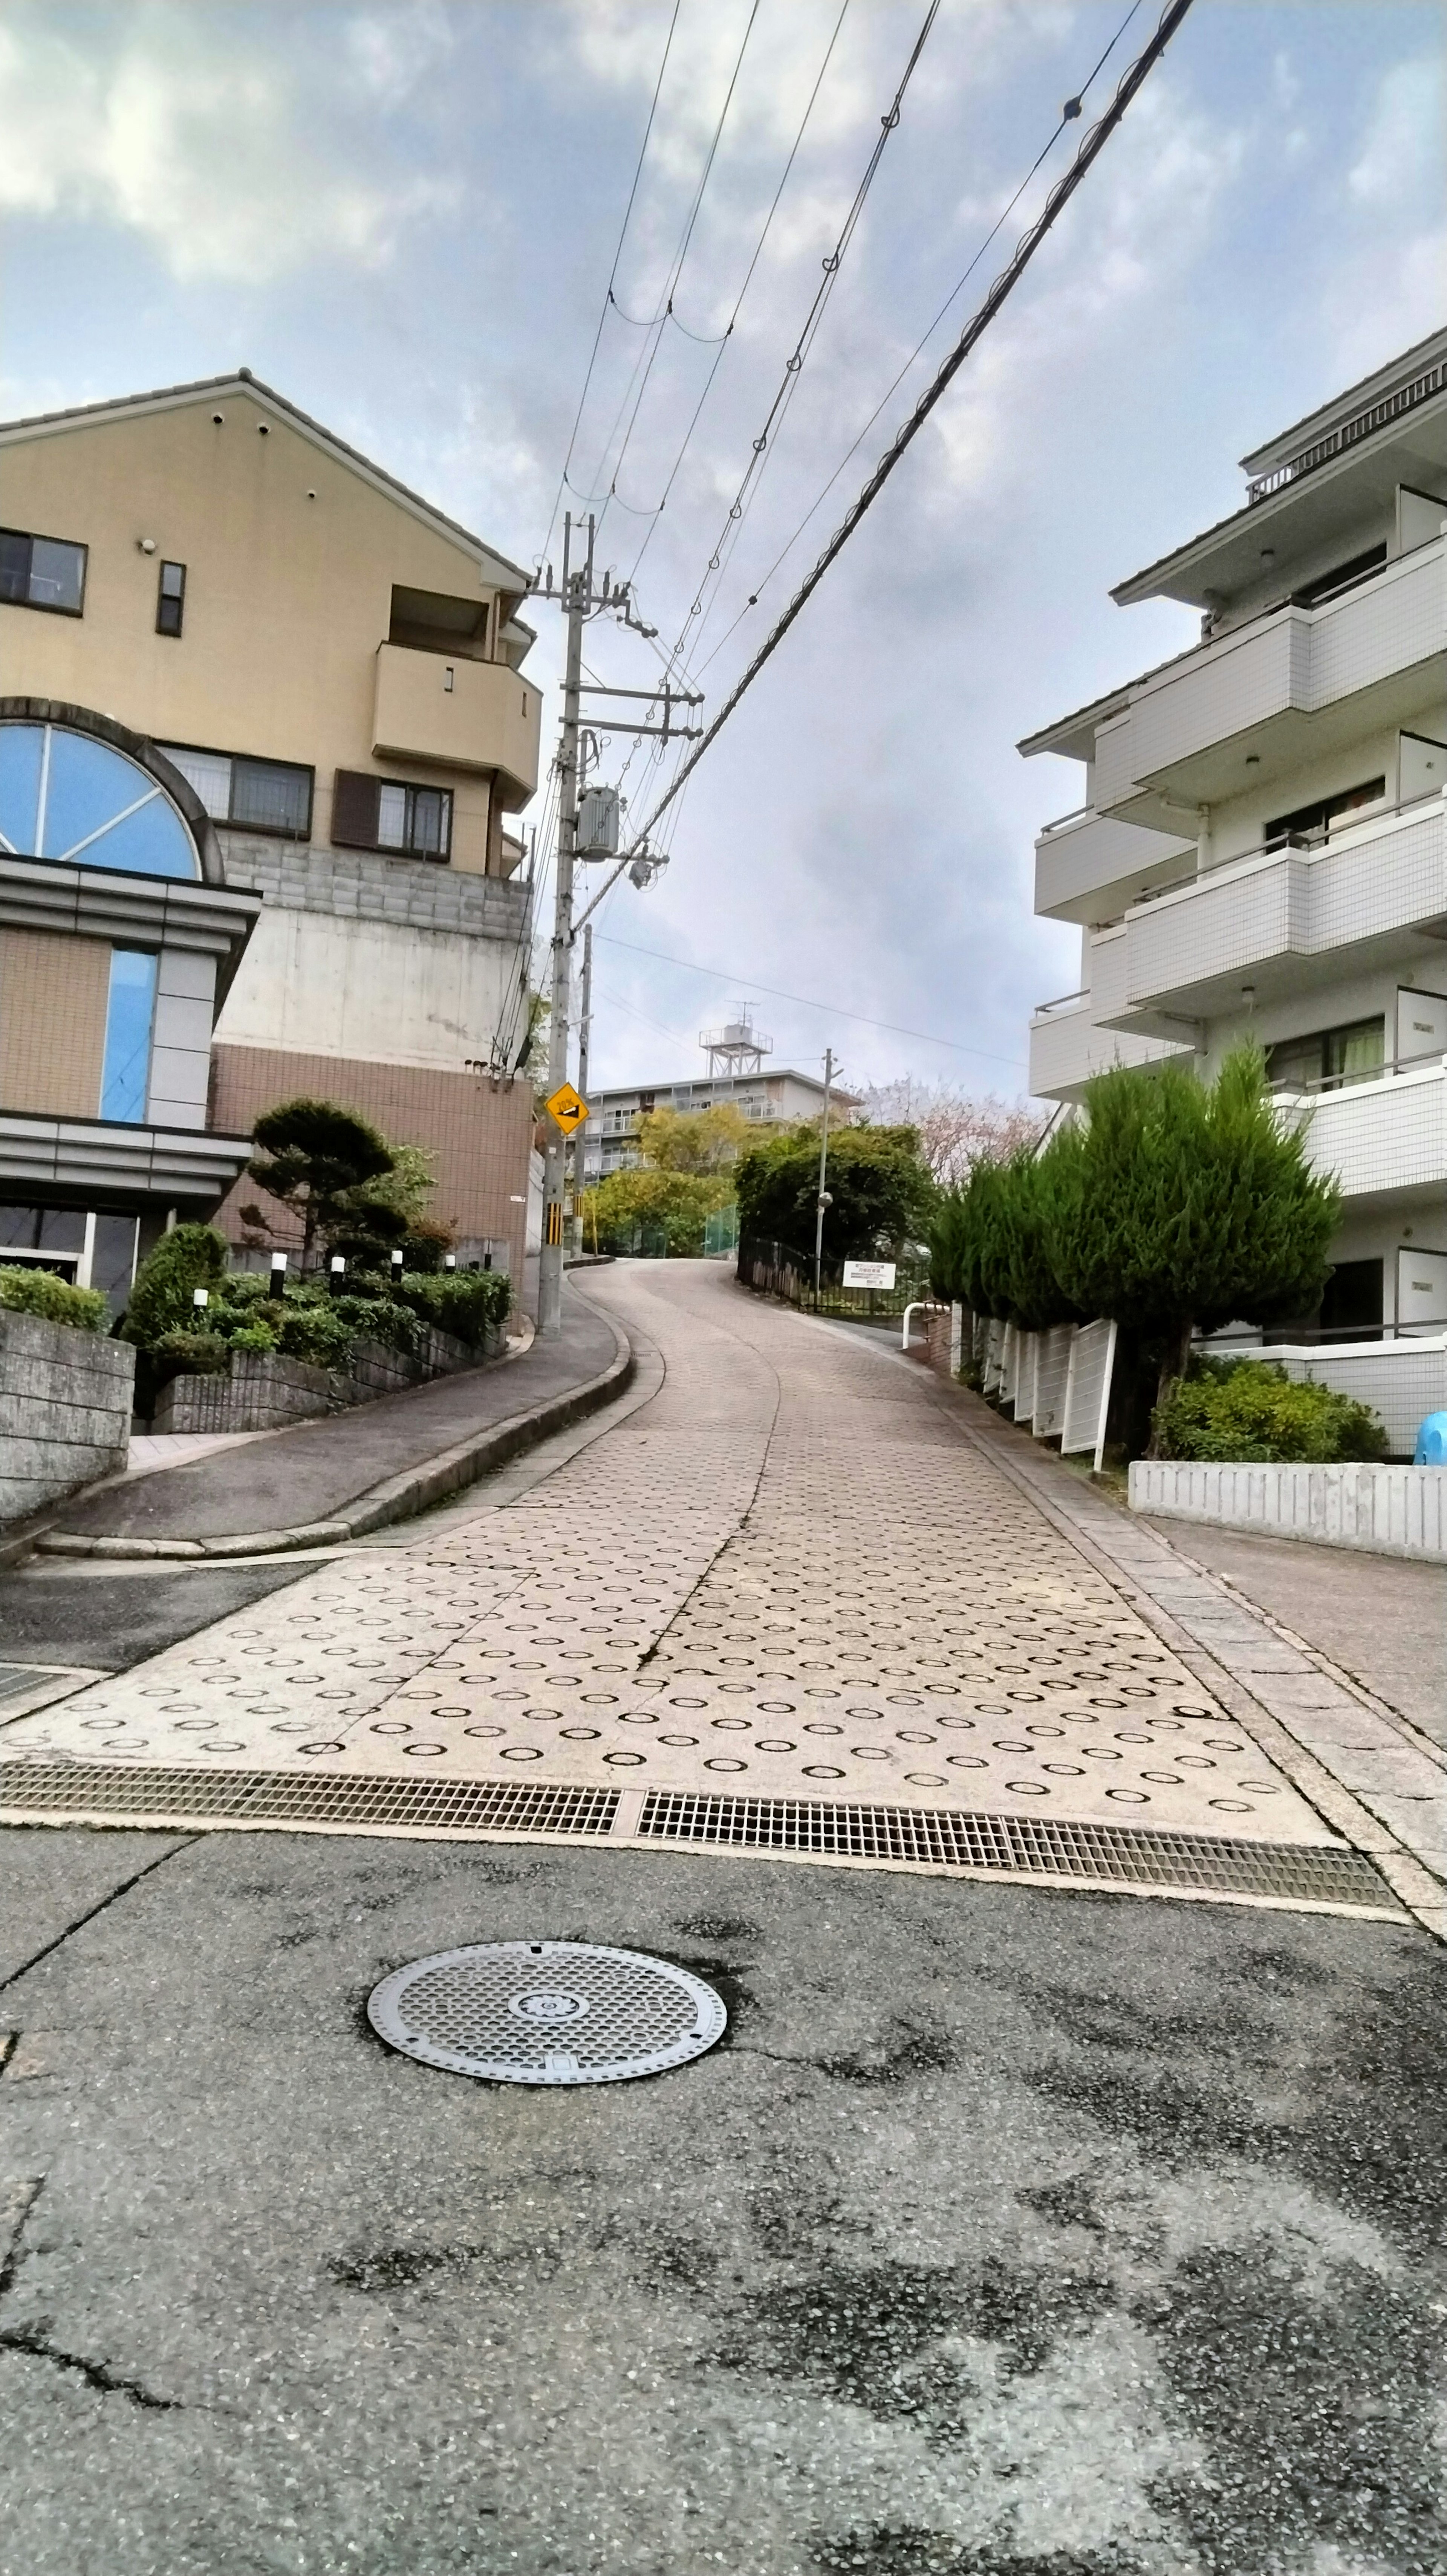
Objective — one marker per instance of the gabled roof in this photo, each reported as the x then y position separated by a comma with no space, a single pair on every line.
494,567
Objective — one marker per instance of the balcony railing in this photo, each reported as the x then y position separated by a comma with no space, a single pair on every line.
1348,433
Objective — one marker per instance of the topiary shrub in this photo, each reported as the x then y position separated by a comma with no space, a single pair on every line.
163,1299
314,1332
1245,1411
181,1354
39,1292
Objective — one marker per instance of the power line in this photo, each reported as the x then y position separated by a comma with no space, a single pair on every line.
794,364
1064,189
923,342
743,290
750,984
675,273
613,272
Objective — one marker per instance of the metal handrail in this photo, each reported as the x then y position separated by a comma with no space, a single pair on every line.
1041,1008
1347,433
1323,838
1077,815
1325,1082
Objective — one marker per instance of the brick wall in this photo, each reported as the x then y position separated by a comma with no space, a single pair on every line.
478,1133
65,1410
53,994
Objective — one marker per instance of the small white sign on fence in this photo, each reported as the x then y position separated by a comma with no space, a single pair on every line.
869,1274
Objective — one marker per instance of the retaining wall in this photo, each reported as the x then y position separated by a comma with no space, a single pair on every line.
263,1391
1388,1511
65,1410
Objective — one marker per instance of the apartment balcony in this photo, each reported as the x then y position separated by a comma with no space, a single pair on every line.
1068,1045
1284,920
1377,652
1384,1141
1089,866
462,714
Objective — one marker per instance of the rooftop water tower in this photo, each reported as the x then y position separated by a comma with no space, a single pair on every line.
737,1048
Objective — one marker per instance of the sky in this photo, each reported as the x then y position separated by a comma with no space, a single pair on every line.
407,218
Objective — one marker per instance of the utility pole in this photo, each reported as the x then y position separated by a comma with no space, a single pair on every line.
824,1198
577,601
585,1031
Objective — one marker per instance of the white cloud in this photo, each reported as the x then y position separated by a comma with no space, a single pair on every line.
391,49
1403,145
194,140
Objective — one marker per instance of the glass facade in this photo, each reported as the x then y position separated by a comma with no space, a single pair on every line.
129,1013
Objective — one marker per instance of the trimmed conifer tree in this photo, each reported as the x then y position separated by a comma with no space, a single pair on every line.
1179,1206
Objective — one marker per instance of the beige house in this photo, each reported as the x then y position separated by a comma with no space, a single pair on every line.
320,675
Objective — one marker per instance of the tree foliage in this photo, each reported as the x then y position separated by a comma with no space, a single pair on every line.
882,1196
636,1209
956,1129
704,1141
1182,1205
325,1162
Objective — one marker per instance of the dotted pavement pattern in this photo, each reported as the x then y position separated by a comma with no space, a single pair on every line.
785,1575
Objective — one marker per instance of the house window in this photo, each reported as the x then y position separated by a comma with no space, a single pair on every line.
385,814
130,1009
1329,1057
171,599
41,572
273,796
1314,822
1343,576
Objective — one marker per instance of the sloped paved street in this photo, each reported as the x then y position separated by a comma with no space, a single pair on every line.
1013,2230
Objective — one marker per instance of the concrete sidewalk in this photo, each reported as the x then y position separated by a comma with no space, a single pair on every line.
403,1449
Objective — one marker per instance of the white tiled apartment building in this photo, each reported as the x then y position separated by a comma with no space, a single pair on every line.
773,1099
1262,846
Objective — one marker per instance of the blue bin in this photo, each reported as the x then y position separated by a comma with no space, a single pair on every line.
1432,1442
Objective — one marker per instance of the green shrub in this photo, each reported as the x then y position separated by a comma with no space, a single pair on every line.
39,1292
1250,1410
466,1303
253,1337
379,1319
163,1299
310,1330
182,1354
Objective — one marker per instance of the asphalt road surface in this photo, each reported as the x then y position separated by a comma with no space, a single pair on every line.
1009,2231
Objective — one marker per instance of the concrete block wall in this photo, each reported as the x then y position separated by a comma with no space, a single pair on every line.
1386,1511
261,1392
65,1411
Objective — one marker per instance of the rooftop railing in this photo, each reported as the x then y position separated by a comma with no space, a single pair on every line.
1348,433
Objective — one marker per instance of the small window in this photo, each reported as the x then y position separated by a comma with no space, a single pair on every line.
1315,821
41,572
171,599
130,1009
385,814
273,796
1328,1058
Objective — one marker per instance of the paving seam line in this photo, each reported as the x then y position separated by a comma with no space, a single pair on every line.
397,1498
1409,1877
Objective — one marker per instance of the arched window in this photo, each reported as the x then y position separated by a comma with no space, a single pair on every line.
68,795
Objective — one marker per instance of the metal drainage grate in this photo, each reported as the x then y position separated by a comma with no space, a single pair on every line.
1127,1855
547,2012
303,1798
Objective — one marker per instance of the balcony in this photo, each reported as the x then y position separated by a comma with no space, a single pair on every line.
1089,866
462,714
1268,686
1287,920
100,1156
1385,1141
1068,1045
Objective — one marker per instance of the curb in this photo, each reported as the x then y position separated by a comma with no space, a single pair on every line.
398,1498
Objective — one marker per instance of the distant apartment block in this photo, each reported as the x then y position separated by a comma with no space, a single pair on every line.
736,1077
1262,845
319,676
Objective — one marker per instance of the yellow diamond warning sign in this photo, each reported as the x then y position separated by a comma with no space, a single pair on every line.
568,1108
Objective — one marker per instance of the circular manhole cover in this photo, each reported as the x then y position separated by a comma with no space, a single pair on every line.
546,2012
